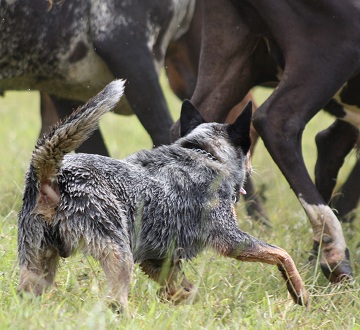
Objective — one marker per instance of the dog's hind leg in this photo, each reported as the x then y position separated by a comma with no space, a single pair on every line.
118,267
38,272
175,287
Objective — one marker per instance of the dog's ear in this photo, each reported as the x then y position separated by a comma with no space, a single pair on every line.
190,118
239,131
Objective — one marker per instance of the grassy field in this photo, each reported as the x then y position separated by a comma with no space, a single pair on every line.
233,295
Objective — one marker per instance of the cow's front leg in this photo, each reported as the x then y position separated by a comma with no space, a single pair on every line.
280,122
333,145
132,60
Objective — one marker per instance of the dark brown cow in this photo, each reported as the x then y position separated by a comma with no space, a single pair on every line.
313,49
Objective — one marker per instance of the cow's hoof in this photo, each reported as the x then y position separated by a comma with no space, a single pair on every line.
338,272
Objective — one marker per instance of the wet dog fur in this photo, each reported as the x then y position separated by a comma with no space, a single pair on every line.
156,207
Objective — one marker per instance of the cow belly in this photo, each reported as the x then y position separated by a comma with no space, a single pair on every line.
77,81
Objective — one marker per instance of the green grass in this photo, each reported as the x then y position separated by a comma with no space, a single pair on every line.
233,295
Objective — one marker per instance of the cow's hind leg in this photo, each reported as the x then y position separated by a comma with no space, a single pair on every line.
254,202
49,115
175,287
348,196
333,145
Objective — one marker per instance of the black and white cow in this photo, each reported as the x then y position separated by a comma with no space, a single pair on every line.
69,50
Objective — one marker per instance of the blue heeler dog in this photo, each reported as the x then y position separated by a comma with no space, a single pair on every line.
156,207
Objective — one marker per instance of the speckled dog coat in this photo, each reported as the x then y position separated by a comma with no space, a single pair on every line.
154,208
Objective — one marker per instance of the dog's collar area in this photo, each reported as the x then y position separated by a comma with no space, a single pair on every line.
205,153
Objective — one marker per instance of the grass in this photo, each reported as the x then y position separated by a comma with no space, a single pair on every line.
233,295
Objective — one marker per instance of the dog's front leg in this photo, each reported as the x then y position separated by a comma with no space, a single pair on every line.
234,243
258,251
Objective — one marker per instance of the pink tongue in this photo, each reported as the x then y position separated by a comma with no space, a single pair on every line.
242,191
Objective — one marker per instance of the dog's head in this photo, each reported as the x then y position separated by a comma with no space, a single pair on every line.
220,140
228,144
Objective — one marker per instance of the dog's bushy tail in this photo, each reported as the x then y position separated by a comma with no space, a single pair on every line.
70,133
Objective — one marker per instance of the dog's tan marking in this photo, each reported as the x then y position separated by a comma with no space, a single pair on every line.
274,255
248,166
48,200
49,195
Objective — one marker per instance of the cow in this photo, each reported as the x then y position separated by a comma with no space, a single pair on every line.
69,50
312,50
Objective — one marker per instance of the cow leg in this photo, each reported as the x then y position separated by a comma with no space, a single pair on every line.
182,57
135,63
49,116
95,143
254,204
348,195
333,145
220,64
280,122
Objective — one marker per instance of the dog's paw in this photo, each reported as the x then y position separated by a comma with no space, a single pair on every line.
178,296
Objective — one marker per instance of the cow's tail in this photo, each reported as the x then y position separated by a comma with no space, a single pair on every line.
70,133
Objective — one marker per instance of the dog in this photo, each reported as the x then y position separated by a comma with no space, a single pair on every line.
156,207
